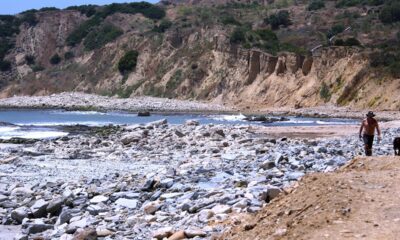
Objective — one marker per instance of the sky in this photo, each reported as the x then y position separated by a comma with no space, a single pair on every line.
17,6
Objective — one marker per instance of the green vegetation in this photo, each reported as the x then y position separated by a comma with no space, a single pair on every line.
55,59
29,17
163,26
347,42
128,62
49,9
98,14
390,12
82,31
101,36
264,39
30,60
228,19
37,68
324,92
5,66
88,10
316,5
336,29
175,80
68,55
281,18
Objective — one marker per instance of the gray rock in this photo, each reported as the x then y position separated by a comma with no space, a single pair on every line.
54,206
99,199
21,191
38,209
192,123
179,134
266,165
128,203
19,214
65,216
131,138
163,233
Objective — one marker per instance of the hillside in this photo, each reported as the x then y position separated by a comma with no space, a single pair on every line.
252,55
358,201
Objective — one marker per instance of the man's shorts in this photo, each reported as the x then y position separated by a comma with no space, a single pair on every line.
368,140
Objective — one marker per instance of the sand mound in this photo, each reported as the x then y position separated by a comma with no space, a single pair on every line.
361,200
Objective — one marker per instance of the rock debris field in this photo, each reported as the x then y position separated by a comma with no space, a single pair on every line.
155,181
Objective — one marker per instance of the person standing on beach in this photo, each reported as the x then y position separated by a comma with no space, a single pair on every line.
369,125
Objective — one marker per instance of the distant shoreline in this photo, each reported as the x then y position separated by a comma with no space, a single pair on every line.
74,101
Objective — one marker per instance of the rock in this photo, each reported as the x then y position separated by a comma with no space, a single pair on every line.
103,232
95,209
218,209
19,214
64,217
21,236
85,234
73,226
148,185
54,206
158,123
36,226
204,215
38,209
167,183
3,198
266,165
272,193
178,235
131,138
170,195
179,134
143,114
220,132
128,203
163,233
151,207
192,233
192,123
22,192
99,199
295,175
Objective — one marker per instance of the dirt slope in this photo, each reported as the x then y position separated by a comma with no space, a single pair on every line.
359,201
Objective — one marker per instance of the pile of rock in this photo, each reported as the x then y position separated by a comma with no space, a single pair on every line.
156,180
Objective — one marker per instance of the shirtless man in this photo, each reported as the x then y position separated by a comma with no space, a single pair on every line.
369,125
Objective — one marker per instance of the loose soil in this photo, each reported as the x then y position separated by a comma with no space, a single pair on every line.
359,201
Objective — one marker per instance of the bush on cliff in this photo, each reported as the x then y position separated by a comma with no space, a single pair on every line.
88,10
55,59
316,5
128,62
5,66
281,18
163,26
101,36
390,13
76,36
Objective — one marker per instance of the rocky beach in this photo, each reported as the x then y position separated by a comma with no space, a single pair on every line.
157,180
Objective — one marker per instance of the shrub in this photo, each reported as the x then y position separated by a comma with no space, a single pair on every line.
76,36
37,68
174,81
339,42
278,19
128,62
30,60
101,36
352,42
55,59
229,20
390,13
348,3
336,29
238,35
88,10
49,9
68,55
395,69
9,25
5,46
324,92
29,17
315,5
163,26
5,66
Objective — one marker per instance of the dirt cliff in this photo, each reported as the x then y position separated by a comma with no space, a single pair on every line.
359,201
195,58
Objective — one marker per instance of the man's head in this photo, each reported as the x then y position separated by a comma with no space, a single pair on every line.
370,114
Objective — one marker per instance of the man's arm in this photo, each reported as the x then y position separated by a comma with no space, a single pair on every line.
379,131
361,128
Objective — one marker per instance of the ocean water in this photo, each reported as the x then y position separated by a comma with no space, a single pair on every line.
42,124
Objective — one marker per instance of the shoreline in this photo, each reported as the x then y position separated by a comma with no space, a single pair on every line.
76,101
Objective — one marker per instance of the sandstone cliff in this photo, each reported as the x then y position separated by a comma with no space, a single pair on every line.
192,62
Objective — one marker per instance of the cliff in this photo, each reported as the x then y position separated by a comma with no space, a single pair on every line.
195,58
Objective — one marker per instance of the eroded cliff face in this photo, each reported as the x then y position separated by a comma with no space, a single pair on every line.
194,63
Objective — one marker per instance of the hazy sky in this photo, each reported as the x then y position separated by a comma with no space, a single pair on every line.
17,6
